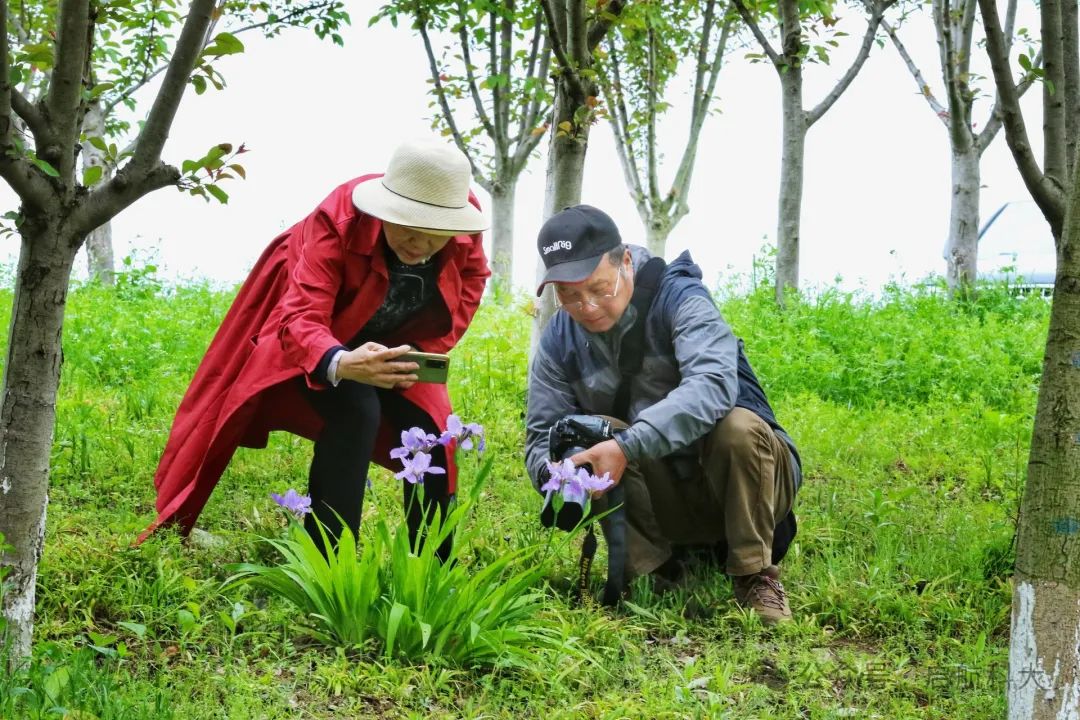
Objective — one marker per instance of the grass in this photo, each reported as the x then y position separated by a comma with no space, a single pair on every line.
913,416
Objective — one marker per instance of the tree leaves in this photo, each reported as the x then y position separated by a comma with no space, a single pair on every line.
45,167
92,175
223,44
201,176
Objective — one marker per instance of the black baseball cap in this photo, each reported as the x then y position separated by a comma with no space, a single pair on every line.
572,242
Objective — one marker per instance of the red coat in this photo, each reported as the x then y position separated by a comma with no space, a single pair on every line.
313,288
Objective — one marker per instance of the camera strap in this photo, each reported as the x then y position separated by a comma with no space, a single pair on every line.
632,349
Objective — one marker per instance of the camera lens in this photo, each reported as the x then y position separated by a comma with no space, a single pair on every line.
437,364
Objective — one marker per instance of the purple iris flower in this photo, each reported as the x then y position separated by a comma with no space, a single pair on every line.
474,430
593,483
575,484
558,472
299,505
416,440
463,433
417,466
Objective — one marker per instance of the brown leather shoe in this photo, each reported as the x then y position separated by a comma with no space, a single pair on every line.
763,593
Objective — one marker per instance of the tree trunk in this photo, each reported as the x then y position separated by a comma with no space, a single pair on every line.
99,250
791,181
502,235
565,170
28,413
1044,652
962,247
657,229
99,255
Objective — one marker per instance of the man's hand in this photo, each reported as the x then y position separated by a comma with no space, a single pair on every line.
605,457
373,364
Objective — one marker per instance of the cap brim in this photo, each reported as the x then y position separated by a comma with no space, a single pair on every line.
570,272
374,199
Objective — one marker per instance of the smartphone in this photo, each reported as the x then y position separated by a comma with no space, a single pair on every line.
433,366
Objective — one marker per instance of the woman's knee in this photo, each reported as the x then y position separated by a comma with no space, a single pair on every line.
352,403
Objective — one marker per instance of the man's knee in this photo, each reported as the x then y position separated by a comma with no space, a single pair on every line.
740,432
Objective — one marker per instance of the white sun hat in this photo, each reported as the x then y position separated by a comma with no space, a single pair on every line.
426,186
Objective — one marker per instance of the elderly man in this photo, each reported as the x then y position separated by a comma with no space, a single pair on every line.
699,454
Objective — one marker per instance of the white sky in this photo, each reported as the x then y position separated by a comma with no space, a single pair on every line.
875,204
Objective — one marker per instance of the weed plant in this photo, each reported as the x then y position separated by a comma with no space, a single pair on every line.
912,414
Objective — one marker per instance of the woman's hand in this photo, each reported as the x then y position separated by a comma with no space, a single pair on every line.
374,364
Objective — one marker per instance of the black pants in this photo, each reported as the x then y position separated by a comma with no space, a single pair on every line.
338,475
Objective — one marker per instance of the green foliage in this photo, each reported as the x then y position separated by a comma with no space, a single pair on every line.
643,54
909,347
201,177
132,44
490,70
818,36
337,593
71,684
418,607
899,577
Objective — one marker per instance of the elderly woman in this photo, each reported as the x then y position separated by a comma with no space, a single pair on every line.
384,264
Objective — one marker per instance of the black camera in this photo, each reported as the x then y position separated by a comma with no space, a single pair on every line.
566,438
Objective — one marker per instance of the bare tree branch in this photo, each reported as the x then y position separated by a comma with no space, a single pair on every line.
993,124
791,38
856,65
156,130
620,121
19,24
701,64
444,105
527,119
1048,194
143,81
1054,159
31,115
108,200
568,72
502,97
576,33
956,88
65,89
1070,57
763,41
525,148
27,182
598,29
920,81
1010,24
470,76
650,128
494,46
527,140
284,19
702,98
967,32
7,124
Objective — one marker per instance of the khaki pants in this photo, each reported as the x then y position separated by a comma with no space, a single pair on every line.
744,486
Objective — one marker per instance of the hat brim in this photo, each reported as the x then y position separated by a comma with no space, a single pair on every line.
373,198
570,272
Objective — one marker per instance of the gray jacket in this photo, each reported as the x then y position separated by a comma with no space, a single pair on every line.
693,373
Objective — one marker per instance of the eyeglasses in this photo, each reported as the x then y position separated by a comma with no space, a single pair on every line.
590,300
